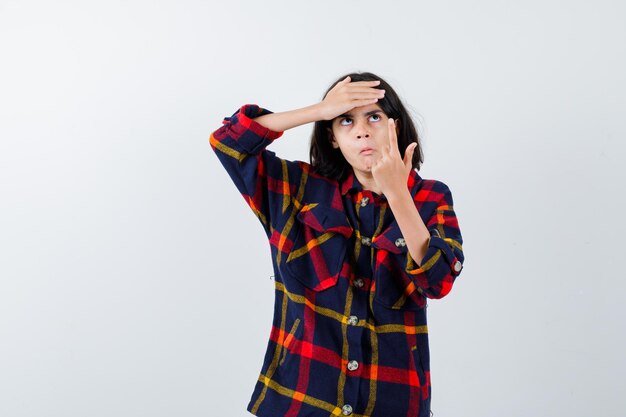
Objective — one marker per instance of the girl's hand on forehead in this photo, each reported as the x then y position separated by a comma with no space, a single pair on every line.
391,171
346,95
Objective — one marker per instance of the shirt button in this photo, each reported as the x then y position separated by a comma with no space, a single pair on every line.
358,283
458,265
353,320
364,201
353,365
400,242
346,410
366,241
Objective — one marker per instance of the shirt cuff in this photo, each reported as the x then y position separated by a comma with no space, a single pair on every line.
250,135
437,248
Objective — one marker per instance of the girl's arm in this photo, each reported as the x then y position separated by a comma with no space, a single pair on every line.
390,173
435,253
289,119
342,98
443,260
411,225
266,181
259,175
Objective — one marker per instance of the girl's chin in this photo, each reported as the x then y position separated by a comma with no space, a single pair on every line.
366,169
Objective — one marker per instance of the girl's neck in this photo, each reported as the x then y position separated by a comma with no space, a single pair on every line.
366,179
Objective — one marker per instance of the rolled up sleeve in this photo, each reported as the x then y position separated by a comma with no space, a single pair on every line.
444,258
264,180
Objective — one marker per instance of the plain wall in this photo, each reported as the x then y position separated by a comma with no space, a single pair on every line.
135,281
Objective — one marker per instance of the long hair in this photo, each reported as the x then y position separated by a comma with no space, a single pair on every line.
331,163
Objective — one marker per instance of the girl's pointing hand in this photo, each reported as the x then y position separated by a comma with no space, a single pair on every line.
391,171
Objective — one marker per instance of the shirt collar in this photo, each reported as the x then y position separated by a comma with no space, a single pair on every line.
352,183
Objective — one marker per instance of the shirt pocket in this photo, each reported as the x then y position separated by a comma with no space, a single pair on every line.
393,283
319,246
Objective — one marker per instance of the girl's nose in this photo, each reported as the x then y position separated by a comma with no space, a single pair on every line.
362,130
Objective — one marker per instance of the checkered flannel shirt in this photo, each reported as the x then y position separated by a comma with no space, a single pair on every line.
349,334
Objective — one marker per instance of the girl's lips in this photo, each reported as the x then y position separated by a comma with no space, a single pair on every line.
367,151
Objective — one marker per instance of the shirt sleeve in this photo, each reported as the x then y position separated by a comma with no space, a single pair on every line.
444,257
264,180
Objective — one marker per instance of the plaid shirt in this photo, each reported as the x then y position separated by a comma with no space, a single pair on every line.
349,334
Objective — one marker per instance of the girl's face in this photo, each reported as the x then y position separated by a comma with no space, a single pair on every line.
360,135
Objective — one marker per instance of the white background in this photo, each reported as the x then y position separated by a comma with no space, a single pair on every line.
134,280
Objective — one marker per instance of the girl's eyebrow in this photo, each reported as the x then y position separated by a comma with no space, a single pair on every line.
369,113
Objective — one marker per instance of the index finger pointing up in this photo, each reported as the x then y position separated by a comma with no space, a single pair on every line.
393,138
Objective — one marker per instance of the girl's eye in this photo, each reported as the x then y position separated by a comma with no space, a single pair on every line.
345,121
375,117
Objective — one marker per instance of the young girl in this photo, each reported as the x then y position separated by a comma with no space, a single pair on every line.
358,240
